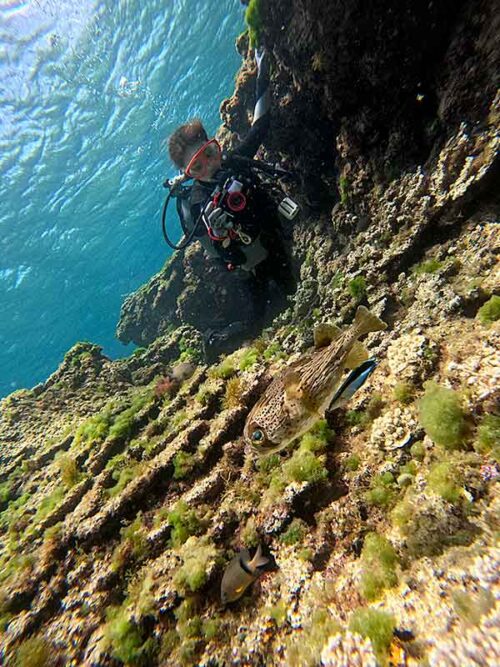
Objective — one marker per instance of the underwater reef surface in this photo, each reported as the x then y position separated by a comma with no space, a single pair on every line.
125,487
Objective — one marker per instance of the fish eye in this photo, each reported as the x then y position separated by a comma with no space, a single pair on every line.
257,435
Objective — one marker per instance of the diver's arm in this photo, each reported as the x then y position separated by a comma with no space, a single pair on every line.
261,115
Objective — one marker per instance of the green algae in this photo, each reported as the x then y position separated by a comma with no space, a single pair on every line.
382,491
248,358
124,639
445,479
304,648
268,463
249,534
428,266
318,438
233,393
253,19
377,626
403,513
357,288
184,522
404,392
140,595
365,417
133,544
338,280
70,475
295,532
379,562
124,422
306,554
304,466
274,351
49,503
189,352
211,628
352,463
490,311
184,462
225,369
197,553
122,477
488,436
417,450
442,417
34,652
6,492
94,429
344,190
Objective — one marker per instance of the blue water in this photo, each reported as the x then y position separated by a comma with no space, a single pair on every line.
88,93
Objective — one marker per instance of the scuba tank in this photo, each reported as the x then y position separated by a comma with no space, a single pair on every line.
238,173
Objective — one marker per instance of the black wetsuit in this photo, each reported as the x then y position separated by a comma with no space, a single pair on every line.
261,222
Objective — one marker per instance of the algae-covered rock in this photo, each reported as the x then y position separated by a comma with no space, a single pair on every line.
125,486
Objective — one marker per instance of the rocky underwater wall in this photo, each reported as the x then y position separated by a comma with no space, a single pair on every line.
125,486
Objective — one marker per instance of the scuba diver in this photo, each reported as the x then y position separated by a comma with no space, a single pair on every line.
230,212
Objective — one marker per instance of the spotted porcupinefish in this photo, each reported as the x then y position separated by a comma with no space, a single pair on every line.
301,394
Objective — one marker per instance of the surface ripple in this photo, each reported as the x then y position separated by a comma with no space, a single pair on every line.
88,93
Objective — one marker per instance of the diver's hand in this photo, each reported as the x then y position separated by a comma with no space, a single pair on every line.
217,219
176,181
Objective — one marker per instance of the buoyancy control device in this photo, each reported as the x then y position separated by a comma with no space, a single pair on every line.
238,175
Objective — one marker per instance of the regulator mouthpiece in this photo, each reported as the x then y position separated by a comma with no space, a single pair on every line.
288,208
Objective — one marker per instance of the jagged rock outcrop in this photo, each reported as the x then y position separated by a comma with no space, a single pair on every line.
125,486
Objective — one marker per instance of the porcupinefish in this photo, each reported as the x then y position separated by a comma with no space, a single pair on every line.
240,573
302,392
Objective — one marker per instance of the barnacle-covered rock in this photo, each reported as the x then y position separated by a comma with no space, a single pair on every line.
411,357
394,429
348,650
474,647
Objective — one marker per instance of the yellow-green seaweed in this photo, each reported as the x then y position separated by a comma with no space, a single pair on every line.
377,626
379,561
442,416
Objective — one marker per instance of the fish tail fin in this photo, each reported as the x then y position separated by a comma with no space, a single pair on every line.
258,560
365,321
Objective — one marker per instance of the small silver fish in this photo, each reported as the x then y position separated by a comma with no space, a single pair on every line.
302,393
240,573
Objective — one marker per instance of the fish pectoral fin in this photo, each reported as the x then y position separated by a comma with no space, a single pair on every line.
324,334
356,356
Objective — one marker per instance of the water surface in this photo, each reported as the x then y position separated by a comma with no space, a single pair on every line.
88,93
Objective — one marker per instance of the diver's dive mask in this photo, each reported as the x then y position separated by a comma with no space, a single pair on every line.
205,158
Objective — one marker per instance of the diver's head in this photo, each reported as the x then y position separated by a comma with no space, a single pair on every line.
191,151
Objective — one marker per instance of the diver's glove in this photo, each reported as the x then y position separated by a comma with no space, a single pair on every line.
218,220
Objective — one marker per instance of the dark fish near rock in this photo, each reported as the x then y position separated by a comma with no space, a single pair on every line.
301,394
240,573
